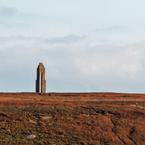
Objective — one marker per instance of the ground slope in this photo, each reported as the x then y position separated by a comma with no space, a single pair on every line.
72,119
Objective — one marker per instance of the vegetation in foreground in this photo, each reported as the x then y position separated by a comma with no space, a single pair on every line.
73,125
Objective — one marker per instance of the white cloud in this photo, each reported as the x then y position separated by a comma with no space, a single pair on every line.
111,58
77,65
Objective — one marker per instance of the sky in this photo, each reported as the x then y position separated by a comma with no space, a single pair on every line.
85,45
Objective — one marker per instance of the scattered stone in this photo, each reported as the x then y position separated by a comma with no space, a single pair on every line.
138,106
46,117
85,115
31,136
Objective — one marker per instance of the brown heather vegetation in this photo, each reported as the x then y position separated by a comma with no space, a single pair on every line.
72,119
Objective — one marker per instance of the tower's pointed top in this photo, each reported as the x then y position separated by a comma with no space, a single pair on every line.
40,63
41,66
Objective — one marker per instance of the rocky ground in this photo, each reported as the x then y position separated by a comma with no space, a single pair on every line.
72,119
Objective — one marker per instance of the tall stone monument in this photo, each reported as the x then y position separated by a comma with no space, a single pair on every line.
41,82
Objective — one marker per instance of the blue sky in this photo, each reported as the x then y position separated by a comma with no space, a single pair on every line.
85,45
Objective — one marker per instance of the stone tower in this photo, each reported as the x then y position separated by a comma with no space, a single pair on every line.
41,82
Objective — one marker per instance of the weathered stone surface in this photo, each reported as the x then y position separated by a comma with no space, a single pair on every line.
41,82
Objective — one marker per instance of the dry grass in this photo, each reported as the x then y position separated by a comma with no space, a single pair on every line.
69,123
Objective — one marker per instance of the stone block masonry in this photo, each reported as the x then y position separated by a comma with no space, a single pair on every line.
41,82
